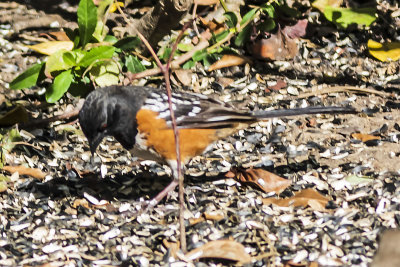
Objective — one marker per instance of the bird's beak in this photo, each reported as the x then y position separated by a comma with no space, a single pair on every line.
94,143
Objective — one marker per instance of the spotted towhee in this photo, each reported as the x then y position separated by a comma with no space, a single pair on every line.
139,118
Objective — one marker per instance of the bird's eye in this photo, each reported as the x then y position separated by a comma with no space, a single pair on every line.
102,127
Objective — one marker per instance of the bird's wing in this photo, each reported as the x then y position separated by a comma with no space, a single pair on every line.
196,111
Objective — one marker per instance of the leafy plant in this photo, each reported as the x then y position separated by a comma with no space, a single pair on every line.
87,58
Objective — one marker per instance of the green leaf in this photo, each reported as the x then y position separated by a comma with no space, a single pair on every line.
199,55
106,73
128,43
28,78
269,9
97,53
57,61
99,31
133,64
231,19
110,39
69,58
249,16
60,85
267,25
243,36
189,64
165,53
185,47
87,20
343,17
80,88
220,36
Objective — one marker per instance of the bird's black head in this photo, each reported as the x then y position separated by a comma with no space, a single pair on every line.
111,111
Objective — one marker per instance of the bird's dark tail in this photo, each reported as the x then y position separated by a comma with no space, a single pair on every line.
265,114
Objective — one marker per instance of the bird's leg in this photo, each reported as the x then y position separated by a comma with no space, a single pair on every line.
169,188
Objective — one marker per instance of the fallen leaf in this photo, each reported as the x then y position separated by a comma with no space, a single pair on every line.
4,180
280,84
229,61
278,47
343,17
224,81
297,30
16,115
22,170
173,247
206,2
384,52
265,180
321,4
58,36
184,76
212,216
51,47
221,249
81,202
356,180
304,198
364,137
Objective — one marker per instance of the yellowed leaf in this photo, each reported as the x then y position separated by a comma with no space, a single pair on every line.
307,197
321,4
114,6
221,249
51,47
364,137
229,61
265,180
22,170
206,2
385,51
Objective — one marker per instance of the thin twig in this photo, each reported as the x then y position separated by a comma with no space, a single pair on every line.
337,89
174,64
177,148
42,122
165,70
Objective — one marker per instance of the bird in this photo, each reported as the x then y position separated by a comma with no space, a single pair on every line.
139,118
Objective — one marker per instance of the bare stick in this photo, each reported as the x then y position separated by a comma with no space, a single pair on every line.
174,64
165,71
42,122
180,176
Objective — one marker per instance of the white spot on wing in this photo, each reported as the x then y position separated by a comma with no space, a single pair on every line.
196,109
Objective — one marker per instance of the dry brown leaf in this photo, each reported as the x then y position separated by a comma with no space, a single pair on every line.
16,115
265,180
229,61
56,36
221,249
224,81
280,84
81,202
297,30
184,76
22,170
212,216
172,246
206,2
278,47
306,197
364,137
